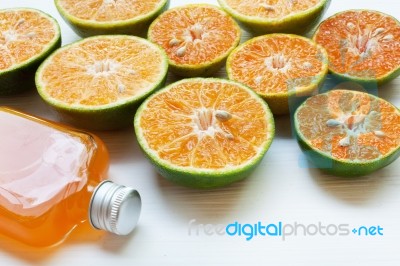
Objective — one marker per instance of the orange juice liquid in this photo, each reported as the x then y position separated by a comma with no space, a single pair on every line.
47,176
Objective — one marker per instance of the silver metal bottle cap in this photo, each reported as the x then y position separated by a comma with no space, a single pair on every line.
114,208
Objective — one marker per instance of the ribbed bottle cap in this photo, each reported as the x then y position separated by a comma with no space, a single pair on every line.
114,208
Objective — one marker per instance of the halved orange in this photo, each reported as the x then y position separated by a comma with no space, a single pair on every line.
363,45
99,17
348,133
204,132
276,16
98,82
279,67
27,37
197,38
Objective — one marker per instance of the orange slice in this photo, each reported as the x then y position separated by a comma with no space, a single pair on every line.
363,45
99,17
97,82
196,38
27,36
279,67
204,133
273,16
348,133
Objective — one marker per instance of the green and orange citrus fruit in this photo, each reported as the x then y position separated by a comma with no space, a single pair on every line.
348,133
281,68
362,45
27,37
98,82
204,132
100,17
197,38
276,16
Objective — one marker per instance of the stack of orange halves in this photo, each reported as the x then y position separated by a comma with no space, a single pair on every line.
209,132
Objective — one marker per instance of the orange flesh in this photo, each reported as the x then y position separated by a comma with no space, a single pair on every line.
195,34
47,176
370,126
272,9
277,64
109,10
23,35
103,70
363,44
180,125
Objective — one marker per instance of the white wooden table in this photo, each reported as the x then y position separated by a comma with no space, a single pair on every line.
280,190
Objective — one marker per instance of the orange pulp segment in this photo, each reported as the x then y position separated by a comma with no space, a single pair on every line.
350,125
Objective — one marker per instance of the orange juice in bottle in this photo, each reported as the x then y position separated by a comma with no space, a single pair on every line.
52,180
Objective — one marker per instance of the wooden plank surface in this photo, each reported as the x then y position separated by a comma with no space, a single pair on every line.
282,189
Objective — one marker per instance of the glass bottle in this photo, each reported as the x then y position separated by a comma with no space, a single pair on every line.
52,180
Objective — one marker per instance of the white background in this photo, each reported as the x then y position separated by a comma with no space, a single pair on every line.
279,190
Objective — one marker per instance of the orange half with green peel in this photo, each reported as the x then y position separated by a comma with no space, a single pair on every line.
204,132
362,45
97,83
27,37
197,38
348,133
276,16
100,17
281,68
